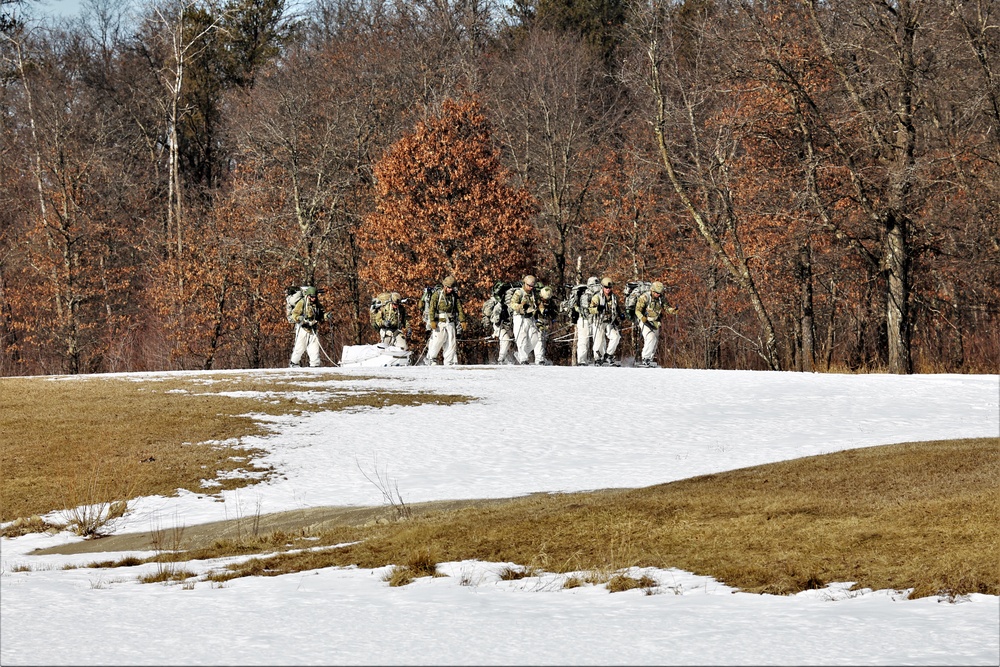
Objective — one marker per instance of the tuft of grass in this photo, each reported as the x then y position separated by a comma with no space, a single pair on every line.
508,573
165,575
221,577
422,563
126,561
623,582
25,526
573,582
399,575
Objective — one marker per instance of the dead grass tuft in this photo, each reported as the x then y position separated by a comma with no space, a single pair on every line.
221,577
126,561
32,524
399,575
509,573
422,563
165,575
623,582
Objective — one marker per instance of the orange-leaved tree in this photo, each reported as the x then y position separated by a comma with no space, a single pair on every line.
445,205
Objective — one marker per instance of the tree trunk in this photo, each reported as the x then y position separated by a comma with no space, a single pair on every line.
805,348
898,325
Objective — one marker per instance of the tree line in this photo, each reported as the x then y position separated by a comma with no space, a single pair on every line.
816,183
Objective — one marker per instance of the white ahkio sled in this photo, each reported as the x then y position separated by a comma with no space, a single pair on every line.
374,355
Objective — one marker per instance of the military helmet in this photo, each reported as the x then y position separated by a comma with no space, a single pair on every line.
592,280
449,281
546,292
309,291
656,287
606,282
395,297
529,280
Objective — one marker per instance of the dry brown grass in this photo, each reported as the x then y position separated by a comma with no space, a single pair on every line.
67,442
623,582
919,515
399,575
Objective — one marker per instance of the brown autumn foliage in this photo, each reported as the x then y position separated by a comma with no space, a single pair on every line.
221,302
444,206
835,232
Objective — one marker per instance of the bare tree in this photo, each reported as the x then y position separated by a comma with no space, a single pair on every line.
174,39
684,78
554,110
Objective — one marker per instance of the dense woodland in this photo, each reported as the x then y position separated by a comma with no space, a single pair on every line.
816,182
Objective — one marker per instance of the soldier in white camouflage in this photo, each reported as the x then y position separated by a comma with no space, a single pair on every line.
649,310
391,320
503,331
447,320
307,315
545,318
605,315
583,332
524,308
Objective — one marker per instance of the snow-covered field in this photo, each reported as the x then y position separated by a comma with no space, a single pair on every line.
530,429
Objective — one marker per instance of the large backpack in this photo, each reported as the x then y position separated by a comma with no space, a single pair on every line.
488,307
505,292
376,306
501,294
425,304
571,304
583,298
292,297
633,290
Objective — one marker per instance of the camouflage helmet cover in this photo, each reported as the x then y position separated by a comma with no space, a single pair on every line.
546,292
394,297
529,280
309,291
606,282
448,281
592,280
656,287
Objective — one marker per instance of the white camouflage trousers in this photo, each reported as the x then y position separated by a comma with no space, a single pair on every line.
606,339
582,339
443,336
528,339
306,341
650,337
506,353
